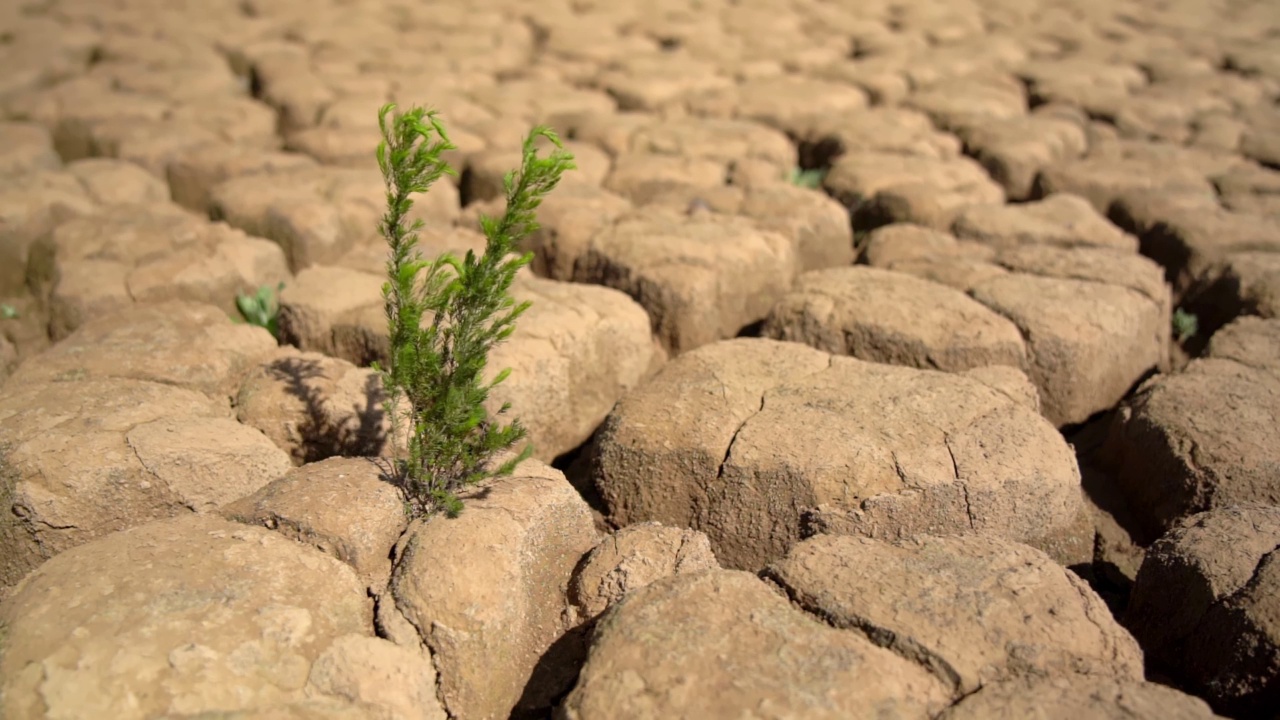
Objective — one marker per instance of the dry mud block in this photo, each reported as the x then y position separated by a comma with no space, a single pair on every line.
980,97
1061,220
971,610
1203,438
194,174
187,345
26,147
633,557
319,214
880,188
1094,319
1015,149
1243,283
487,593
652,155
87,458
345,507
723,644
1075,697
197,615
314,406
743,439
573,216
893,130
784,102
701,278
574,353
32,203
1123,168
1250,189
1191,236
1205,604
94,265
890,317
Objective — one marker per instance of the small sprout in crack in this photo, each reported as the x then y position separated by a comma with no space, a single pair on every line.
1185,325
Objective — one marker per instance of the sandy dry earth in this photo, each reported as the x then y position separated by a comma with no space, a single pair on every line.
858,370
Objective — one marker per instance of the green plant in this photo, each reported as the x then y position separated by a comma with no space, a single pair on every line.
261,308
1185,325
807,178
445,315
8,312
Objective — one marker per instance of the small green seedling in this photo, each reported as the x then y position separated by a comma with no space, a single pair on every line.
8,312
1185,325
262,308
811,179
445,315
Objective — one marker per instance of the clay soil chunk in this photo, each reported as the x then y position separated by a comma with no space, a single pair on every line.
877,130
1095,322
1189,237
1094,319
1015,149
701,279
973,610
882,187
1079,696
92,266
187,345
80,460
1243,283
888,317
1060,220
1203,438
636,556
1104,178
1250,189
318,214
785,102
568,219
722,440
345,507
487,592
722,644
32,203
189,616
193,175
24,147
1204,607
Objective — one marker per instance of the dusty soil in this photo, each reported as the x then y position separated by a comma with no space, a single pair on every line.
902,359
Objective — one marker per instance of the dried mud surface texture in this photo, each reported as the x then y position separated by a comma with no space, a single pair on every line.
722,644
91,266
752,441
1074,697
186,345
84,459
1203,438
895,318
487,593
1205,604
636,556
345,507
972,610
182,616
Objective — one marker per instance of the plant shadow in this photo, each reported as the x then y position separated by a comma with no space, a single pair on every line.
326,430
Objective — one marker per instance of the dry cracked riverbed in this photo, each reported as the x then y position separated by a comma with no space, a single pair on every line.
860,368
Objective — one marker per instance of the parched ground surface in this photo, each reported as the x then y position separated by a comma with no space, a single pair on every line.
907,359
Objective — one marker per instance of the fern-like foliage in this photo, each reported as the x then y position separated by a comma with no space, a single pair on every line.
445,315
